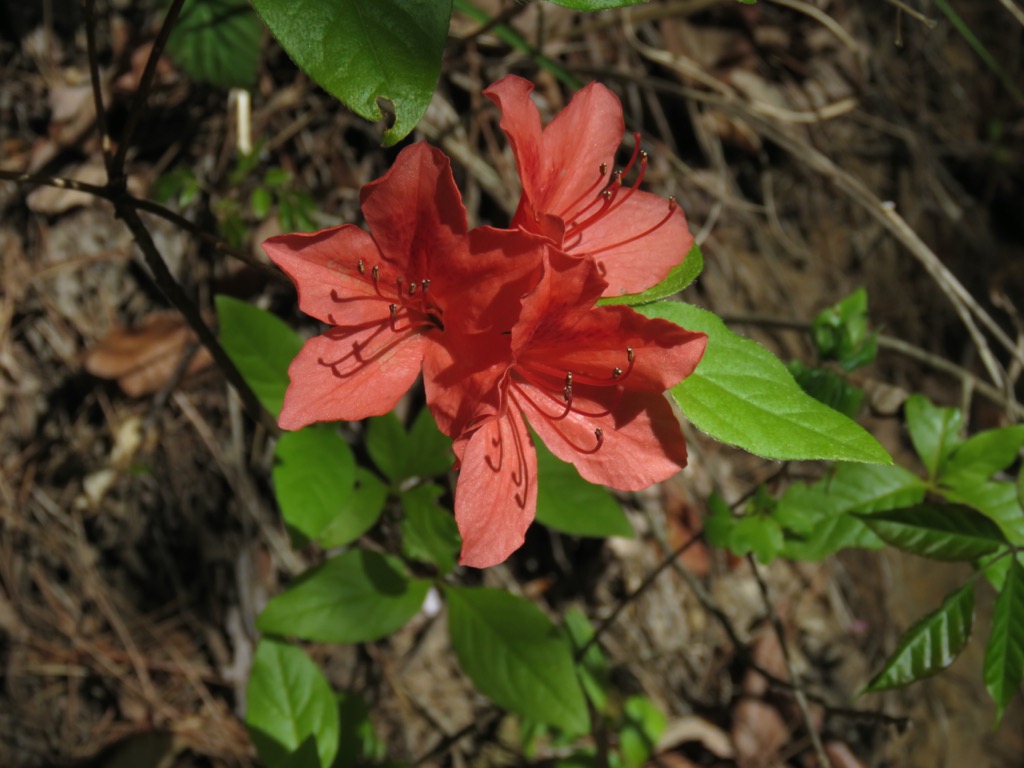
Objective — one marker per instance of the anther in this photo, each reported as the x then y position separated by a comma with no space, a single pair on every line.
604,168
567,391
412,288
424,285
599,434
361,267
393,308
375,272
672,203
616,372
607,194
643,155
629,354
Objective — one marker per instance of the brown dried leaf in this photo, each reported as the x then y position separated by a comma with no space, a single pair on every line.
143,359
758,733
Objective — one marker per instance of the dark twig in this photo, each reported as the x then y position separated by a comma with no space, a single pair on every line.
94,76
116,167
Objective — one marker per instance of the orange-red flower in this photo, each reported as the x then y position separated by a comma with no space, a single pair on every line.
396,295
573,195
590,381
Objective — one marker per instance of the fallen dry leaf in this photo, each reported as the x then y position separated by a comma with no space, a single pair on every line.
144,358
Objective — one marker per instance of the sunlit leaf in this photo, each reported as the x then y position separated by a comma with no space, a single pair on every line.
1004,654
934,431
313,476
931,644
288,704
422,452
983,455
354,597
939,531
641,731
841,332
743,395
429,532
677,279
516,657
362,51
261,346
357,512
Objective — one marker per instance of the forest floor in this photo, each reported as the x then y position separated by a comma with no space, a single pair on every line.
138,536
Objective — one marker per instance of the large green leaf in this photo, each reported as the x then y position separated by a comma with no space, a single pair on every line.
313,477
288,703
677,279
932,644
642,729
261,346
983,455
743,395
429,532
217,42
996,500
934,431
592,669
568,503
516,657
364,50
1004,654
422,452
357,512
352,598
939,531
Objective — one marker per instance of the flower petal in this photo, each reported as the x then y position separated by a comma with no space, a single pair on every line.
636,243
496,495
415,212
559,165
641,442
462,377
348,374
325,266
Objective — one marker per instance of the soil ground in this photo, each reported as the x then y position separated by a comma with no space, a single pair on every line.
138,535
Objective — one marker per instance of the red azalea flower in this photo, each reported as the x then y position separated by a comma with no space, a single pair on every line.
572,196
591,383
397,294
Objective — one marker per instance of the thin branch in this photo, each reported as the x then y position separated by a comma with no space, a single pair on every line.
116,168
94,77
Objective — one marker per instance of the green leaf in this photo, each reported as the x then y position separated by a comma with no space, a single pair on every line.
742,394
841,332
570,504
932,644
678,278
261,346
983,455
640,733
516,657
313,477
357,512
1004,654
595,5
359,743
758,534
828,387
996,500
288,702
217,42
352,598
429,532
361,51
941,532
423,452
592,669
935,432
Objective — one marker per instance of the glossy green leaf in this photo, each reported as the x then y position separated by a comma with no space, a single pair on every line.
354,597
931,644
288,703
516,657
743,395
758,534
641,730
595,5
934,431
362,51
828,387
995,499
430,450
357,512
218,42
261,346
981,456
429,532
677,279
1004,654
570,504
592,669
313,475
938,531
